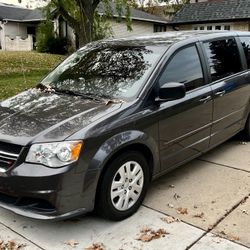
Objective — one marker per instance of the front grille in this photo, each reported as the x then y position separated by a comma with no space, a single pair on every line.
9,153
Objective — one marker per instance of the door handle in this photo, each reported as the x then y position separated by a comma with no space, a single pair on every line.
205,99
220,93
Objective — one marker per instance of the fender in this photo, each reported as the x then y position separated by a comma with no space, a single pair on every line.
119,141
116,143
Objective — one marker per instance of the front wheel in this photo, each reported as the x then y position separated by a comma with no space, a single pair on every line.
123,186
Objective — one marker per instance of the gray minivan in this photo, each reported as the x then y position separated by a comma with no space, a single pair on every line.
117,114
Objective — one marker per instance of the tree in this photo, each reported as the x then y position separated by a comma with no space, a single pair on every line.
164,8
80,15
146,4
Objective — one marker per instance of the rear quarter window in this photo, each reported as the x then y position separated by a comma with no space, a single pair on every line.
245,41
223,58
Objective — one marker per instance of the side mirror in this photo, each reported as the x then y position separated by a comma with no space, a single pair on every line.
171,91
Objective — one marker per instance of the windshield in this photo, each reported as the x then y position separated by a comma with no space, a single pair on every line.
112,71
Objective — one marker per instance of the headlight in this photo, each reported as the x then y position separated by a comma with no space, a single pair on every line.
55,154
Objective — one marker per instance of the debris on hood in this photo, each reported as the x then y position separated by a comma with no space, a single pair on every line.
114,101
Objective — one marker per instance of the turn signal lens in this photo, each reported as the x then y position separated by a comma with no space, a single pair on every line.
75,151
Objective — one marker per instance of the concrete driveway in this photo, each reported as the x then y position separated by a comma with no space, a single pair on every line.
208,199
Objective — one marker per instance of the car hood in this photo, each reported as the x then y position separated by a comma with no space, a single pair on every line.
38,116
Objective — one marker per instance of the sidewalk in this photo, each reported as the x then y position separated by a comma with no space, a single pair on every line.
209,195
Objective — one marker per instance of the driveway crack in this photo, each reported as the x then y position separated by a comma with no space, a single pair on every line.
219,221
223,165
22,236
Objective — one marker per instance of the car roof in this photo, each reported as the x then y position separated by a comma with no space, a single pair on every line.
171,37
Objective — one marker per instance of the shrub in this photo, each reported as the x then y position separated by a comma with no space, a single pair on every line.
48,43
45,33
58,45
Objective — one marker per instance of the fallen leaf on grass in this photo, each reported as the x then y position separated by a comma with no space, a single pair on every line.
170,219
96,246
148,234
199,215
71,243
10,245
181,210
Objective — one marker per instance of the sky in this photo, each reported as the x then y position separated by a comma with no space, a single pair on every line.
13,2
24,2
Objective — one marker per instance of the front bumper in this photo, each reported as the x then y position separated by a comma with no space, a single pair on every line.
40,192
40,216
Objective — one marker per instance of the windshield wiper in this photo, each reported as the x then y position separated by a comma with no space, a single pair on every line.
75,93
108,99
88,95
103,96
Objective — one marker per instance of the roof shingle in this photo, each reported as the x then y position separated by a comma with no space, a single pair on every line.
213,11
16,13
135,14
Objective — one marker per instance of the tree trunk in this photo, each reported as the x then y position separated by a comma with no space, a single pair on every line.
86,21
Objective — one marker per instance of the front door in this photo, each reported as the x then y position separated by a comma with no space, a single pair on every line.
185,124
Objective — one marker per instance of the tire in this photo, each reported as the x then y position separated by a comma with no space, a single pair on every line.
246,130
123,186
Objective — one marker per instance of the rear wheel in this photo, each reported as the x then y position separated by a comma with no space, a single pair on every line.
123,186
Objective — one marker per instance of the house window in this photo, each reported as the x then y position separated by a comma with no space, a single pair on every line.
212,27
160,28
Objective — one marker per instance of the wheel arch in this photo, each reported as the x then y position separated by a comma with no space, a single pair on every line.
135,141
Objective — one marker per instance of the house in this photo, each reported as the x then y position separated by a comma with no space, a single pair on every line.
213,15
18,26
142,23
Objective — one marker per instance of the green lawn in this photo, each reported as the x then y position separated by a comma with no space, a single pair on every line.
22,70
